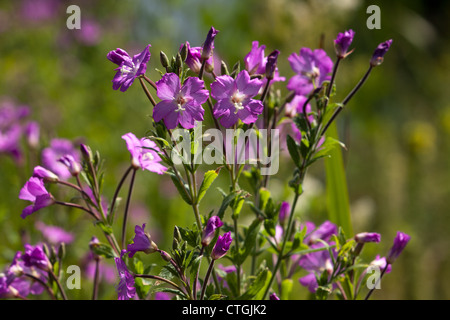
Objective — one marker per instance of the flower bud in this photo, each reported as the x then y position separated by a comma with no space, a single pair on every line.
222,246
44,174
380,51
208,46
73,166
400,242
32,133
271,64
343,42
210,230
184,52
86,152
364,237
165,255
284,212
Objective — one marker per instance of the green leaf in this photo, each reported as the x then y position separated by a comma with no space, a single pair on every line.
103,250
208,179
293,150
286,288
225,203
336,187
182,189
255,290
250,239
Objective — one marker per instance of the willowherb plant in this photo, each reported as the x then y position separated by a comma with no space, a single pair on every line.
264,255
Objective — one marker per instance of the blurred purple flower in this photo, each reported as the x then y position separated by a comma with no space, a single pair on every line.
162,296
54,235
57,149
44,174
210,230
72,165
364,237
90,32
400,242
129,68
34,256
312,68
380,51
322,232
142,242
144,153
274,296
315,263
343,42
381,263
10,142
39,10
125,288
284,212
32,133
181,104
34,191
234,99
222,246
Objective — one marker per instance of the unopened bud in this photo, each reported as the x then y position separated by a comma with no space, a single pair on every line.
164,60
165,255
86,152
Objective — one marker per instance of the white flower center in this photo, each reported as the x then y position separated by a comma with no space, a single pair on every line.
147,156
181,101
237,99
127,69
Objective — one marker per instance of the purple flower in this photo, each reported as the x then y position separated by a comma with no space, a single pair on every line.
222,246
181,104
162,296
343,42
59,148
364,237
125,288
142,242
32,132
129,68
255,61
323,232
41,10
144,153
34,191
10,141
44,174
208,45
315,263
380,51
210,230
271,64
53,234
90,32
234,99
284,212
381,263
34,256
400,242
312,68
73,166
193,59
274,296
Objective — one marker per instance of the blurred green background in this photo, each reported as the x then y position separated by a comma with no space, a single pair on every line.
397,128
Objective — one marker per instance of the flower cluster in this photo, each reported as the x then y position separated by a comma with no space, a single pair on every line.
322,256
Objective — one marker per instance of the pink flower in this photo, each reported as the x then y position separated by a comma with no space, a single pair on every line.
312,68
181,104
34,191
234,99
144,153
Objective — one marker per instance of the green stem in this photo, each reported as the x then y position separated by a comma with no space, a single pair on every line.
149,276
205,283
125,217
147,92
116,193
58,283
45,285
96,278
